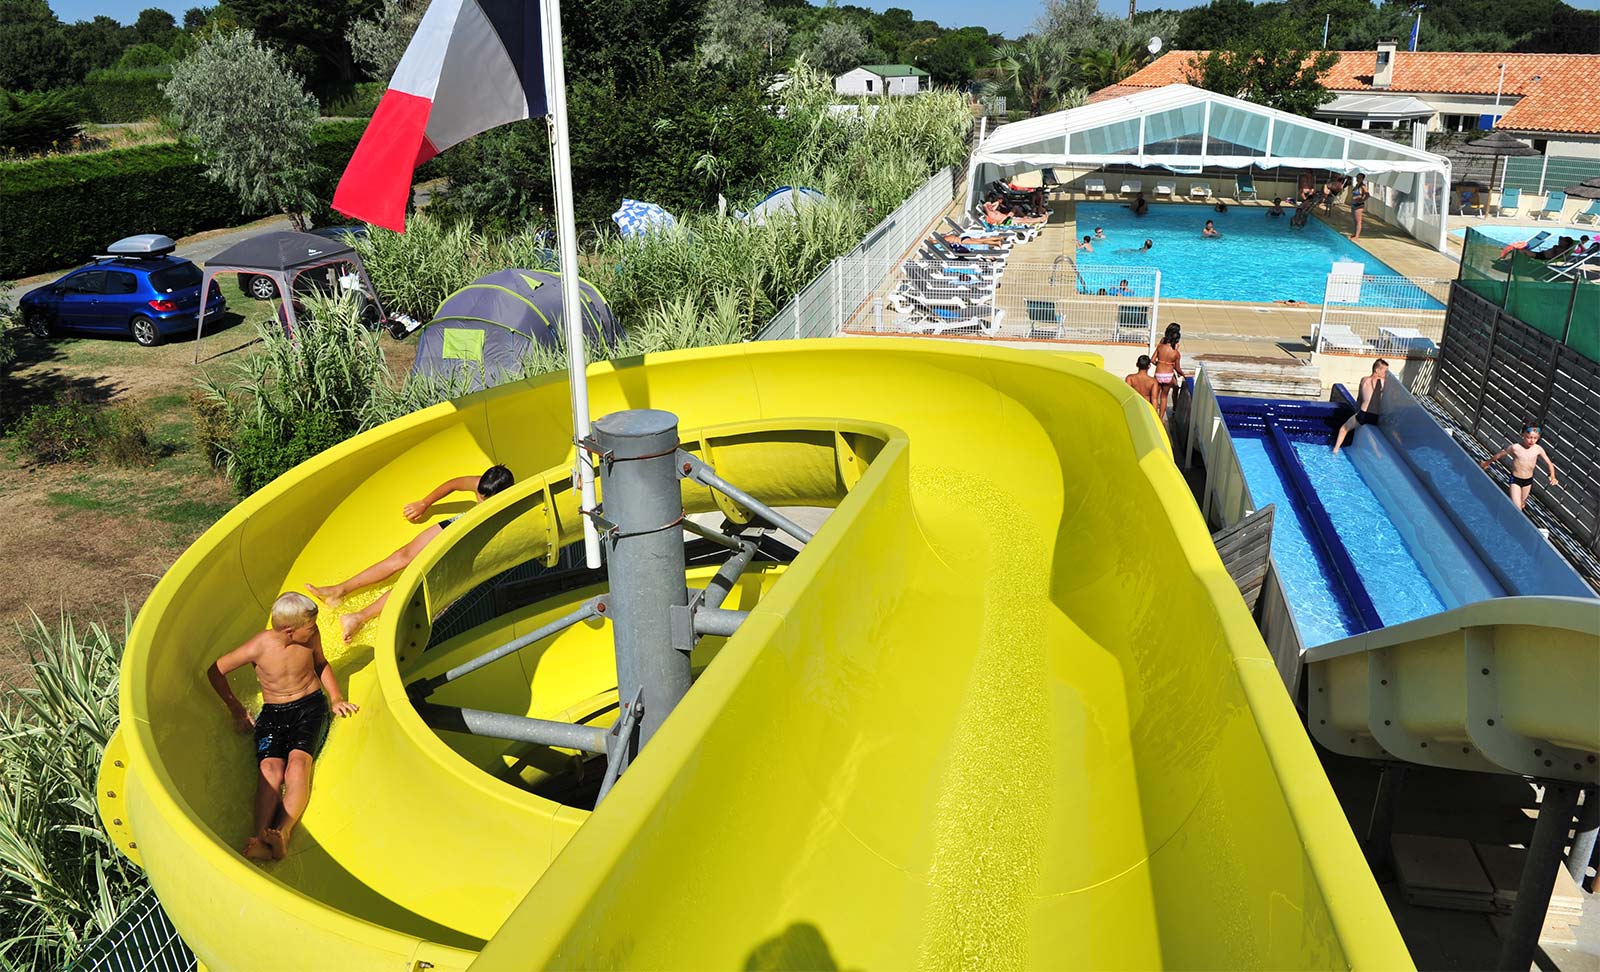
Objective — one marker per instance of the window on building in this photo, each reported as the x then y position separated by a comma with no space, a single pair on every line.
869,84
1459,123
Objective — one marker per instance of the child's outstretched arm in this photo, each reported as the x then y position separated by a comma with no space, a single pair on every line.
217,675
330,682
418,511
1548,462
1485,464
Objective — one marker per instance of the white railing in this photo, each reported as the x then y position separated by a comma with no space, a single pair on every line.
1017,299
1381,315
845,285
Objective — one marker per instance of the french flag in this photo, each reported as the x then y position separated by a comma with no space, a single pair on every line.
472,65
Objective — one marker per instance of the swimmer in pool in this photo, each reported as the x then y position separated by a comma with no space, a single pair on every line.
1210,232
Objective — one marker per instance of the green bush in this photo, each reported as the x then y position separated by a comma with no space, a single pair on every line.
62,881
416,270
124,94
358,100
36,122
296,397
73,430
64,209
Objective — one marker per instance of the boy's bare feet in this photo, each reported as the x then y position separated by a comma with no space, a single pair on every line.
327,595
277,843
257,850
351,623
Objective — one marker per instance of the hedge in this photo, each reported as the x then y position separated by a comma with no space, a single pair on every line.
123,94
59,211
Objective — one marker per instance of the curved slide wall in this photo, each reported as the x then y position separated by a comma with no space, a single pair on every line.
1006,709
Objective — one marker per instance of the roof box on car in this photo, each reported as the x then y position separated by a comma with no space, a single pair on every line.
143,245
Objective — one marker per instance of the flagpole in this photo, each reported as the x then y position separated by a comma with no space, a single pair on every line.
567,247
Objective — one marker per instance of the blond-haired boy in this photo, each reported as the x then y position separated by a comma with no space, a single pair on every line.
293,721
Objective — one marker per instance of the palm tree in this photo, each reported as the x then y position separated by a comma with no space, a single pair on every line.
1104,66
1037,68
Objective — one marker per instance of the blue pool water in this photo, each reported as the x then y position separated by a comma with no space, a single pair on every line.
1394,579
1506,234
1259,259
1319,606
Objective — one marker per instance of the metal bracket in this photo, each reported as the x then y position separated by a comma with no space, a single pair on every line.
619,742
694,468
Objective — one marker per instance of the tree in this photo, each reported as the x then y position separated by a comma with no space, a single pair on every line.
378,42
194,18
838,48
1038,69
956,56
249,120
736,31
1216,23
143,56
311,34
33,49
1079,24
95,44
154,26
1271,66
1102,66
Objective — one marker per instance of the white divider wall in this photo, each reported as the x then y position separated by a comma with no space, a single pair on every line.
843,288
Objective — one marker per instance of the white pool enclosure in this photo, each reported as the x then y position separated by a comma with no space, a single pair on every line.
1186,130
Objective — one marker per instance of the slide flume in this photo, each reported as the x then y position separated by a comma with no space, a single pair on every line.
1005,710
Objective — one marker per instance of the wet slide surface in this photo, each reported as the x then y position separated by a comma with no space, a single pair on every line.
1005,710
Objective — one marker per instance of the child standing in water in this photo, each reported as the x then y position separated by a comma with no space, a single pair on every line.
293,721
1525,454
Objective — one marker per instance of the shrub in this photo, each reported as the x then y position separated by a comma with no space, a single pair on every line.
62,881
211,429
298,396
64,209
416,270
124,94
357,100
36,122
73,430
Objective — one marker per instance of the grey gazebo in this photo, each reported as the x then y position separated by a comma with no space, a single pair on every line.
283,257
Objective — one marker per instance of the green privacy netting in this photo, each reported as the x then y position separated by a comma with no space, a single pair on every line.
1547,295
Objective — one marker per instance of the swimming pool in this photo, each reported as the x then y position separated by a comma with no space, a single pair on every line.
1260,259
1504,234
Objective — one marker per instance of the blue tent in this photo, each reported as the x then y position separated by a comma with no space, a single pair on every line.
784,199
636,219
487,328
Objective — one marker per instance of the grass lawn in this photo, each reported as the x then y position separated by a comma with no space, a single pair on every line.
91,538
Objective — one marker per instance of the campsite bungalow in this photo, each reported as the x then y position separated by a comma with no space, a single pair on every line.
882,79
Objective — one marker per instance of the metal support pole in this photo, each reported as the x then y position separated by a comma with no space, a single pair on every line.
717,622
716,537
721,583
703,474
592,608
501,725
1380,825
644,550
1583,841
620,742
1538,875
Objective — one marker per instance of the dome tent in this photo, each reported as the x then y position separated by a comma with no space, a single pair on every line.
488,327
784,199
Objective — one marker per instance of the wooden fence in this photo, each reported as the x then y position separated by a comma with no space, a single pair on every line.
1496,373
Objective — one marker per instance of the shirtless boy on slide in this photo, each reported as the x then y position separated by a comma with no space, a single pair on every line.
293,720
1141,382
493,480
1525,455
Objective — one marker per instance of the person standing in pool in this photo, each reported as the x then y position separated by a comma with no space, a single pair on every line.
1169,369
1369,403
1140,206
1210,231
1525,454
1358,203
1087,245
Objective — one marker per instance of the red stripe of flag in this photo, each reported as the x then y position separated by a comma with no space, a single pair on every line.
377,182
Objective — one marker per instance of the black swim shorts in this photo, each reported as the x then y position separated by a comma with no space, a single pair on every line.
285,726
1368,418
1523,481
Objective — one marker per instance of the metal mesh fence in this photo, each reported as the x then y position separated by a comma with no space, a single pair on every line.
141,940
1386,315
845,286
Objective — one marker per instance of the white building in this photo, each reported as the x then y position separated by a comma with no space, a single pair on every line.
882,79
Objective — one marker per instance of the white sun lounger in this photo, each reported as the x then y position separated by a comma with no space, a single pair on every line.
1132,187
1164,190
1094,187
1200,190
1339,337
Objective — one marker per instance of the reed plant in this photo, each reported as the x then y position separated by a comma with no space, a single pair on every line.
416,270
62,881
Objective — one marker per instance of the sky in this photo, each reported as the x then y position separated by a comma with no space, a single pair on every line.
1010,17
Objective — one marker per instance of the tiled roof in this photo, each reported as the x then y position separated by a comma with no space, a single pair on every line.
1113,91
1564,98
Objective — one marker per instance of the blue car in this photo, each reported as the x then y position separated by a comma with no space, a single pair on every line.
141,291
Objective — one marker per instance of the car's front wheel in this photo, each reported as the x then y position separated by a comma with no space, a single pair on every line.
38,323
261,288
144,330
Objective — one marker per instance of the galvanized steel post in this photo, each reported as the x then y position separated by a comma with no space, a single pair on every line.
643,508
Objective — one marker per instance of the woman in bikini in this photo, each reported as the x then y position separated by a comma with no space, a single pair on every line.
1168,370
1358,203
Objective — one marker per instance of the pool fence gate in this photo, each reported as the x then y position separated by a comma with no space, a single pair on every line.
141,939
1370,315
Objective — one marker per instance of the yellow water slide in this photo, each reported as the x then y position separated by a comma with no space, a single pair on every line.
1006,709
